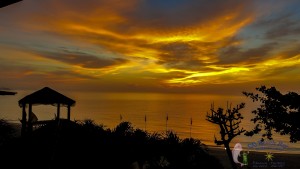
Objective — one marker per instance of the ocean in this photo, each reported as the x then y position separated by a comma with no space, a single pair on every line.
184,114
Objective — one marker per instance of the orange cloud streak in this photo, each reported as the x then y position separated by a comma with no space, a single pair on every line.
178,55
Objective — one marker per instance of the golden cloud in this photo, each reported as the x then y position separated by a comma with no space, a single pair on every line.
182,44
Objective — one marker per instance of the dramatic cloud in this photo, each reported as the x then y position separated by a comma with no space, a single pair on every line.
235,54
280,26
83,59
151,44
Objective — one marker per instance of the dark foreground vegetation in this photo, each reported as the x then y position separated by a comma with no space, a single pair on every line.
85,144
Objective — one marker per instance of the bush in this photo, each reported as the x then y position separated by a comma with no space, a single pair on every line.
86,145
6,131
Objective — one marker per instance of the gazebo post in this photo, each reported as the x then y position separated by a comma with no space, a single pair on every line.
29,118
58,111
23,130
69,112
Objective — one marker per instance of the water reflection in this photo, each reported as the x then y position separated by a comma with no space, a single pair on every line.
106,108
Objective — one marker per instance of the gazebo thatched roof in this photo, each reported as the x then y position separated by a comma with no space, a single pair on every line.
46,96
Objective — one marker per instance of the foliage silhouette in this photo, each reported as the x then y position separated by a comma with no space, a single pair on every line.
277,112
84,144
6,131
229,123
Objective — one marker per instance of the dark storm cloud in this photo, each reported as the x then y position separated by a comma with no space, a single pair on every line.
189,56
291,51
236,54
82,59
283,30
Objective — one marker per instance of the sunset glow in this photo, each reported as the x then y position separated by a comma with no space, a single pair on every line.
152,45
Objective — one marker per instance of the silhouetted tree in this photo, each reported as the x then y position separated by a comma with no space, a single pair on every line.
124,129
229,123
277,112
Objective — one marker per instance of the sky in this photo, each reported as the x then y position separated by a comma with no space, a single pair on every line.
184,46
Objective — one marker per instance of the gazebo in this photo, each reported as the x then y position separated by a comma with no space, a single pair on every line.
45,96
